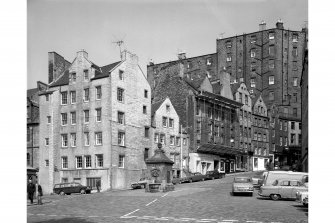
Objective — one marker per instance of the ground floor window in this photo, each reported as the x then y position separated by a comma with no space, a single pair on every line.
232,167
222,165
92,182
256,162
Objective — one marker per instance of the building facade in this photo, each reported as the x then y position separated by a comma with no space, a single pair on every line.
207,113
90,125
260,132
167,131
268,61
304,115
242,95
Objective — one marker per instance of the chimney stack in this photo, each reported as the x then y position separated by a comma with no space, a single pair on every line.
280,24
181,55
82,53
262,26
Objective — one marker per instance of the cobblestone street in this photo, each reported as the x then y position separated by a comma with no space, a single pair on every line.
208,201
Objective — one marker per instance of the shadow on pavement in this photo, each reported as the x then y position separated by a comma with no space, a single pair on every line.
301,208
65,220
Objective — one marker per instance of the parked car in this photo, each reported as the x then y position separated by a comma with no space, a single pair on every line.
69,188
193,177
270,176
282,188
214,174
243,185
139,184
302,197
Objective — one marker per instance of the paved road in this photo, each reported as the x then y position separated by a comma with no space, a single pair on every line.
208,201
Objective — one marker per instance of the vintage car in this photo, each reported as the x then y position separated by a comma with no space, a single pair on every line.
214,174
283,188
302,197
193,177
243,185
139,184
69,188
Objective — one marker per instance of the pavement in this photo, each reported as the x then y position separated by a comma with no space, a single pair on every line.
208,201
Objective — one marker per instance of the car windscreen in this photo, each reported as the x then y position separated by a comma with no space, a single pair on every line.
242,180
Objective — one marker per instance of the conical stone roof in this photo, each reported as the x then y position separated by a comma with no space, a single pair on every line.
159,157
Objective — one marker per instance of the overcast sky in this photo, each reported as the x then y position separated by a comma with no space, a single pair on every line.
149,28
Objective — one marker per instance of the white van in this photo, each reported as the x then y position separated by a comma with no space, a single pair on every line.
271,176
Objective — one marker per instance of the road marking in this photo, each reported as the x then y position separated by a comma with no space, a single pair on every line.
229,220
161,219
165,194
205,219
151,202
192,219
127,215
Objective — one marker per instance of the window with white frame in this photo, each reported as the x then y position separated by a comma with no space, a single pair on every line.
228,57
64,118
46,163
49,119
121,75
120,94
252,82
295,52
253,39
172,138
285,126
271,80
73,77
79,162
46,141
86,75
209,61
98,92
285,141
86,94
120,138
73,137
162,139
73,118
281,141
120,117
146,132
121,161
164,121
64,98
171,122
87,138
295,37
273,133
184,141
86,116
295,65
98,138
99,160
64,140
271,35
88,162
252,53
178,141
64,162
271,64
156,137
98,114
73,97
295,82
228,44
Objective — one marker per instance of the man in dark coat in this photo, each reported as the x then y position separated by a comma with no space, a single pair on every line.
31,191
39,194
98,185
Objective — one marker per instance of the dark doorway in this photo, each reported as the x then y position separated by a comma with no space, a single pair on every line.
216,164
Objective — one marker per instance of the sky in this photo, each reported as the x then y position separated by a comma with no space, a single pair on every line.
152,29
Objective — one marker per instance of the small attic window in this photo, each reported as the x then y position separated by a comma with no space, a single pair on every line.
73,77
86,75
121,75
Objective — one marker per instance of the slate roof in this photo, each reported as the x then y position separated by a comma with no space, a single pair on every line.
104,71
31,92
155,106
195,79
216,88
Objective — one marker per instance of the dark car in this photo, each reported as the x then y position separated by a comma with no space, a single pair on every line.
214,174
69,188
139,184
193,177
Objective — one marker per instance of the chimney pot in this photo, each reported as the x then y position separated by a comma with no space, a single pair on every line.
262,26
280,24
181,55
82,53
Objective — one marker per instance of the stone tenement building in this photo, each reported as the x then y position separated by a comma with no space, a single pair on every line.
269,61
91,126
210,119
242,95
260,131
166,130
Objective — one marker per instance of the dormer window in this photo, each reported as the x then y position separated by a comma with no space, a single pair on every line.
271,35
228,44
86,75
295,37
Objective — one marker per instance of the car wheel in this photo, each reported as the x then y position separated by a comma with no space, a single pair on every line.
82,191
62,193
275,197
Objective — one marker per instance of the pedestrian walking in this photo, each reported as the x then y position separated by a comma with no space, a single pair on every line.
39,194
31,191
98,185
